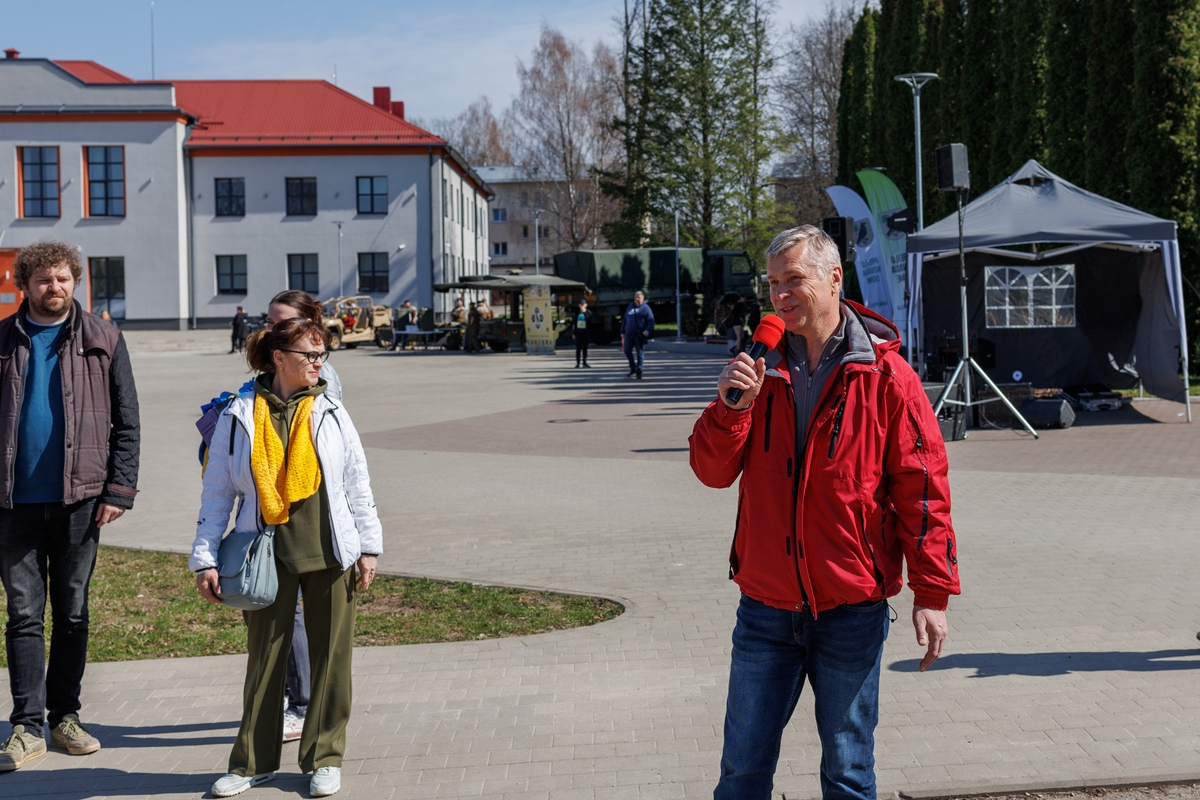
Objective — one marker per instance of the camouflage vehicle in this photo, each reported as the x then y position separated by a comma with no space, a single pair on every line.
501,333
354,320
710,281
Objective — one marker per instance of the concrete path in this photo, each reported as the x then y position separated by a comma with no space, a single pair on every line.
1072,656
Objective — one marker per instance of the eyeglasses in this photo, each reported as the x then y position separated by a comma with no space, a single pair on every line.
313,357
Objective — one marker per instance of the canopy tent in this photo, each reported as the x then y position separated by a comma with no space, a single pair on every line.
510,283
1116,311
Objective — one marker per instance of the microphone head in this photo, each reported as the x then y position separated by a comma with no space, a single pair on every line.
769,331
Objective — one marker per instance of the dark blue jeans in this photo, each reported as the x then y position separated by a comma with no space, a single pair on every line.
635,343
773,652
47,549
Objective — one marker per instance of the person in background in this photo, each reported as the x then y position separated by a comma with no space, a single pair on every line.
239,324
294,458
737,324
636,327
402,317
70,425
107,317
459,315
583,318
473,325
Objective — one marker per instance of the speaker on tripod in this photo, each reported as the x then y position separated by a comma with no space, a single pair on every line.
954,176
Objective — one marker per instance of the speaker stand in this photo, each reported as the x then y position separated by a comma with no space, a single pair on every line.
962,373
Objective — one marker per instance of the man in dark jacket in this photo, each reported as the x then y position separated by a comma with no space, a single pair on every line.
583,318
636,327
69,426
843,481
240,325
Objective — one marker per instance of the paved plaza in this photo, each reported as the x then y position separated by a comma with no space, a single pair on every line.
1072,658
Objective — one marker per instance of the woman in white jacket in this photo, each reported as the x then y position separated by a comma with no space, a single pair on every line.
292,458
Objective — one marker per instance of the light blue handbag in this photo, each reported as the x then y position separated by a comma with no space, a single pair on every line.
246,566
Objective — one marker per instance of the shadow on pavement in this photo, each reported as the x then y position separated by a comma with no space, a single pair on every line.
1044,665
81,783
124,737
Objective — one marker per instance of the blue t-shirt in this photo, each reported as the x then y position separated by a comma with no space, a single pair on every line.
41,450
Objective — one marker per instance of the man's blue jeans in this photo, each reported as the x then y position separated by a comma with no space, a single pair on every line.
635,343
47,545
773,652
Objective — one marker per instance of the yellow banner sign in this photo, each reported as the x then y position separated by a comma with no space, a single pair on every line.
539,321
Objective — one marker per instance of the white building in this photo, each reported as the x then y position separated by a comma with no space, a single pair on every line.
273,168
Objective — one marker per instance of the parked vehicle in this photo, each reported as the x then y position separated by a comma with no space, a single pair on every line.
502,333
354,320
706,278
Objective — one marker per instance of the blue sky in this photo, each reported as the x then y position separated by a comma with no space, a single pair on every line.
437,57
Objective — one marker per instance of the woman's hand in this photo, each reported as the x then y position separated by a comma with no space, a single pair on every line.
209,585
366,571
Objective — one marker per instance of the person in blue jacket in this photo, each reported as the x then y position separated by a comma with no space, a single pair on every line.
636,327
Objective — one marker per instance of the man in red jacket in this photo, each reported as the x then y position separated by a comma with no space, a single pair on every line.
843,478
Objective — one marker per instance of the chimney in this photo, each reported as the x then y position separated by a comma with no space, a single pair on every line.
398,108
12,52
383,98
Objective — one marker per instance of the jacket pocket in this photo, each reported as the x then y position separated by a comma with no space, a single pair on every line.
866,540
733,556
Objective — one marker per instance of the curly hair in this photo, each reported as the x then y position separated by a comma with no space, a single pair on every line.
46,255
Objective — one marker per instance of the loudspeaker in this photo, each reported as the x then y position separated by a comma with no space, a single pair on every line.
952,171
952,421
841,230
1048,413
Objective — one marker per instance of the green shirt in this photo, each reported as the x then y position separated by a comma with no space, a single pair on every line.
305,542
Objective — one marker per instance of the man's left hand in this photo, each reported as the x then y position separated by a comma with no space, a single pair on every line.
932,630
106,513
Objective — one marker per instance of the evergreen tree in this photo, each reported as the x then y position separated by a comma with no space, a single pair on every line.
1067,40
947,124
982,112
1109,88
1023,134
1162,148
900,50
857,99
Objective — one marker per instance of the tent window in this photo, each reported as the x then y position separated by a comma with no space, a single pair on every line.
1030,297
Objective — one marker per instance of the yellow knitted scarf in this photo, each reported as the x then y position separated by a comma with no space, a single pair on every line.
282,481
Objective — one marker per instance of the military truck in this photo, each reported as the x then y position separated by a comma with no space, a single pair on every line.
706,278
501,333
371,323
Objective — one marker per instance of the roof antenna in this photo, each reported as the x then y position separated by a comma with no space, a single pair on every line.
151,39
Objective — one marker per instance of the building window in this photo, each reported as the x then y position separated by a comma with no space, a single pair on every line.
301,197
302,272
524,231
39,181
231,274
373,195
231,197
1030,297
107,279
543,231
106,182
499,248
373,272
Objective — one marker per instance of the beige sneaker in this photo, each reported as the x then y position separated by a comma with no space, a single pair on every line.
19,748
71,736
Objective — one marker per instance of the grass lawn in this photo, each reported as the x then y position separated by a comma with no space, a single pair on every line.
144,605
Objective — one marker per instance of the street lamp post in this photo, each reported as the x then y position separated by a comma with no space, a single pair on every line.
678,304
915,80
537,242
341,282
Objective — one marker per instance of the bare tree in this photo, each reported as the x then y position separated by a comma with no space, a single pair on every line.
562,134
807,94
475,133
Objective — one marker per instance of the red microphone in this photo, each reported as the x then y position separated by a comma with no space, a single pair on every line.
766,337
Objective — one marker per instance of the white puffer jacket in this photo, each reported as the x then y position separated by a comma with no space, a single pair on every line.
353,520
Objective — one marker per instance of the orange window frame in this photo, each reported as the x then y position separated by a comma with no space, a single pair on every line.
87,188
21,182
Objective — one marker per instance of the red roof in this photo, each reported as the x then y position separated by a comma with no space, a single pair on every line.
289,113
91,72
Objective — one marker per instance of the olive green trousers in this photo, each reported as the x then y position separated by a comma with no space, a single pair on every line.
329,605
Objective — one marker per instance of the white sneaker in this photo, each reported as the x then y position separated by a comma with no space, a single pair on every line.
325,781
293,725
232,784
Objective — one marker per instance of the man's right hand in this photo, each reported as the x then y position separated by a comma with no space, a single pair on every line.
209,584
744,374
